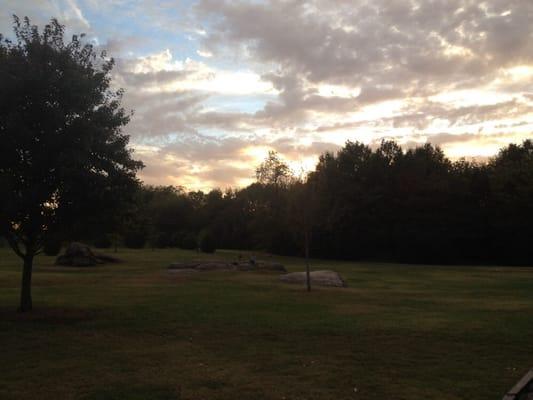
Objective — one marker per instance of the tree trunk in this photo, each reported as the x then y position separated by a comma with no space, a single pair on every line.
307,269
25,294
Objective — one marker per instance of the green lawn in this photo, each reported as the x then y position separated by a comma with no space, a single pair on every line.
134,331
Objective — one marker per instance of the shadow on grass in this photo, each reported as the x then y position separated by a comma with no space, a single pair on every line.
53,316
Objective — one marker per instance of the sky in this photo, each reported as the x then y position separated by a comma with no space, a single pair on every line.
216,84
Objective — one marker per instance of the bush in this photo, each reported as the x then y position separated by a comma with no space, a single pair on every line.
102,242
188,241
52,246
135,240
206,242
166,239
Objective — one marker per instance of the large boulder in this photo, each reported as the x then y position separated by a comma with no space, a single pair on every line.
320,278
80,255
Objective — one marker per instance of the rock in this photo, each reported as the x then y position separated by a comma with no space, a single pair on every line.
260,266
270,266
75,261
183,265
320,278
81,255
208,265
78,249
214,265
106,258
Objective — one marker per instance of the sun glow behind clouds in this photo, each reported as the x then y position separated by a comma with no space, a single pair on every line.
222,82
256,154
197,75
215,91
473,149
519,72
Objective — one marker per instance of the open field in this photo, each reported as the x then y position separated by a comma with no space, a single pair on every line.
133,331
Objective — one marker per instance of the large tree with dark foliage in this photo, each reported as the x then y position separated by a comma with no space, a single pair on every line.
510,176
63,157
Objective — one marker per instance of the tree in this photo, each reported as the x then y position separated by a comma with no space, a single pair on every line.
273,171
269,204
63,156
511,203
303,212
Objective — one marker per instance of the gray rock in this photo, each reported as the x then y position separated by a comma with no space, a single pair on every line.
320,278
270,266
106,258
183,265
81,255
207,265
214,265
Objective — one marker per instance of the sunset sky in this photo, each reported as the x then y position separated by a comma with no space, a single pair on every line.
215,84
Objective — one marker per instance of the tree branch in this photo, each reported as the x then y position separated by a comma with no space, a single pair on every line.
10,236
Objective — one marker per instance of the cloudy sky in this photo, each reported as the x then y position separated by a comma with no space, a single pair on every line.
215,84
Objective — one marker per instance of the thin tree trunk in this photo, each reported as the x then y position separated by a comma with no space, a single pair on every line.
307,269
25,294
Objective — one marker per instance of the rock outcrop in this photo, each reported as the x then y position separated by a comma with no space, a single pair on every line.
214,265
80,255
320,278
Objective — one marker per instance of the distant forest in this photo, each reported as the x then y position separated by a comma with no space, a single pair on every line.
360,203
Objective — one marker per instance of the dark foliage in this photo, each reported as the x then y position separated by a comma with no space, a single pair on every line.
135,239
207,242
52,246
187,241
412,206
103,242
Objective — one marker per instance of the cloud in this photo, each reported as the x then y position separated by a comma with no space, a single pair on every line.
389,49
68,12
159,72
328,71
215,84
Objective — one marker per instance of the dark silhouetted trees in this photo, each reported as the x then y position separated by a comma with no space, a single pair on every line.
365,203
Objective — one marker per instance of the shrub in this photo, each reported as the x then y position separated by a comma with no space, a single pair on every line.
135,240
166,239
188,241
102,242
52,246
206,242
161,240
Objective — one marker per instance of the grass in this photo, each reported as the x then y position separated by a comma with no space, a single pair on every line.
134,331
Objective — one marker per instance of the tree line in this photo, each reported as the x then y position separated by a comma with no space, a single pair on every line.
360,203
